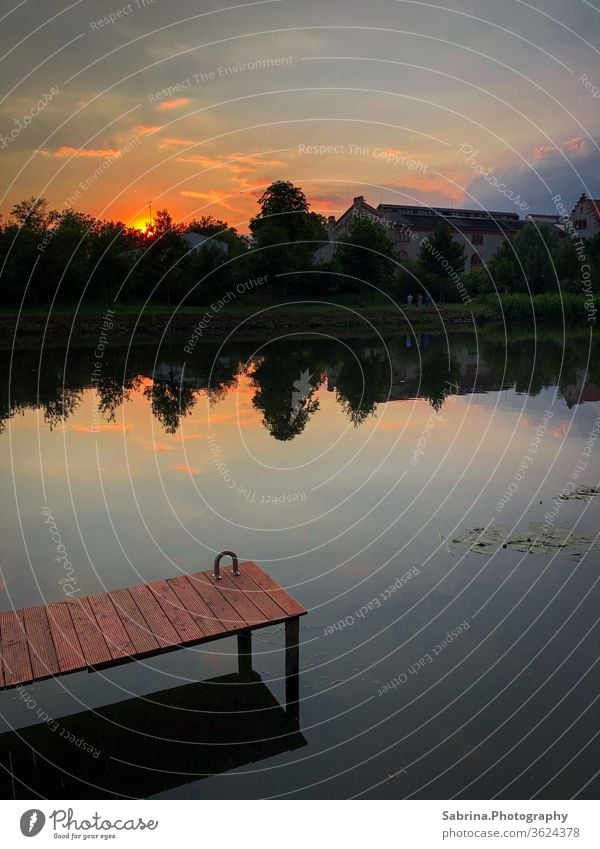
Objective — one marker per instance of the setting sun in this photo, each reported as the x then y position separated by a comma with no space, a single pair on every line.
142,224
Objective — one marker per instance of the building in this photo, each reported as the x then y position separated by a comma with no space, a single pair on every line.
197,242
586,217
481,232
551,220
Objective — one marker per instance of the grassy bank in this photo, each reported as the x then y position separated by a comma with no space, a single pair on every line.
350,316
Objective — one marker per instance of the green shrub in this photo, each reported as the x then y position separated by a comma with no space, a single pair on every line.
568,307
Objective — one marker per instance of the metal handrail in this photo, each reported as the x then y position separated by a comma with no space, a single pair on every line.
217,567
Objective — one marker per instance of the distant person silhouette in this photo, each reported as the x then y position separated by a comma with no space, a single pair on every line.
409,300
419,299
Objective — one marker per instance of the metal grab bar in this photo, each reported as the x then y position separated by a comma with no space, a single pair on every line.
217,568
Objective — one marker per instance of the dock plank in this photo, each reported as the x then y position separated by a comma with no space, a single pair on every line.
64,636
206,587
233,592
94,647
164,633
265,603
279,595
15,649
42,653
196,606
115,635
179,618
136,626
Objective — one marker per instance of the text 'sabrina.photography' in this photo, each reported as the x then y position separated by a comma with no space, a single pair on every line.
300,422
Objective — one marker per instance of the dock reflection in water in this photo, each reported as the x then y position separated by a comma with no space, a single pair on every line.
148,745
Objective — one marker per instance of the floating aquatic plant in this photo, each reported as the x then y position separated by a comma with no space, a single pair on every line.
540,538
580,493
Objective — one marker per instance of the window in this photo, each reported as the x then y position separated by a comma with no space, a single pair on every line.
402,255
477,239
402,235
475,261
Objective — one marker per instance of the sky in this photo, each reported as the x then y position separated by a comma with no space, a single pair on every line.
109,106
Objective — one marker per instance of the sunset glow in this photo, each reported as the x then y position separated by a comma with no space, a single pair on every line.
203,130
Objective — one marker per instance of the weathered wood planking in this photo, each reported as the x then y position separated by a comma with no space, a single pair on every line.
105,628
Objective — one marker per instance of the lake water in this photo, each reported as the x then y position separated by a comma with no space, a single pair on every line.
430,464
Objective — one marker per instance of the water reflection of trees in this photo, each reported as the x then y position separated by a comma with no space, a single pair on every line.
363,382
286,378
286,374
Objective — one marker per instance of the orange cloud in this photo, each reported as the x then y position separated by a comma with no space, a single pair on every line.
329,204
176,103
160,446
238,163
173,141
574,145
540,153
211,198
66,150
143,129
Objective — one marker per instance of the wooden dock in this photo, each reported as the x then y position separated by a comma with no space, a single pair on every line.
104,629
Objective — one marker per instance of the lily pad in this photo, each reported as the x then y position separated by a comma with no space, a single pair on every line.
539,539
580,493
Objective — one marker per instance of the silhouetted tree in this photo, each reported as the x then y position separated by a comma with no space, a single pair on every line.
365,253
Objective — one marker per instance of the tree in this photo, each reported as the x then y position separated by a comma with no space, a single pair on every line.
531,251
287,231
34,213
284,205
566,263
164,263
442,258
163,224
504,268
365,253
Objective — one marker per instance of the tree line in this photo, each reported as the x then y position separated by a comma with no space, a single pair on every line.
70,257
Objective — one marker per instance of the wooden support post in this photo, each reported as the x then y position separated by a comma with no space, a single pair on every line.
292,668
245,653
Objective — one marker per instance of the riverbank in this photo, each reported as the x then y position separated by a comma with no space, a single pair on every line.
134,323
130,324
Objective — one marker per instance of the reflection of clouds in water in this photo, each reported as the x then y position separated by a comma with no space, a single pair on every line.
105,428
189,470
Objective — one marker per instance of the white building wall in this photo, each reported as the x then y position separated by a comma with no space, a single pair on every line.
584,219
490,243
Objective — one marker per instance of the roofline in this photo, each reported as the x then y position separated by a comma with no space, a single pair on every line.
485,213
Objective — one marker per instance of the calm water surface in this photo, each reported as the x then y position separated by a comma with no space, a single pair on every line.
340,467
